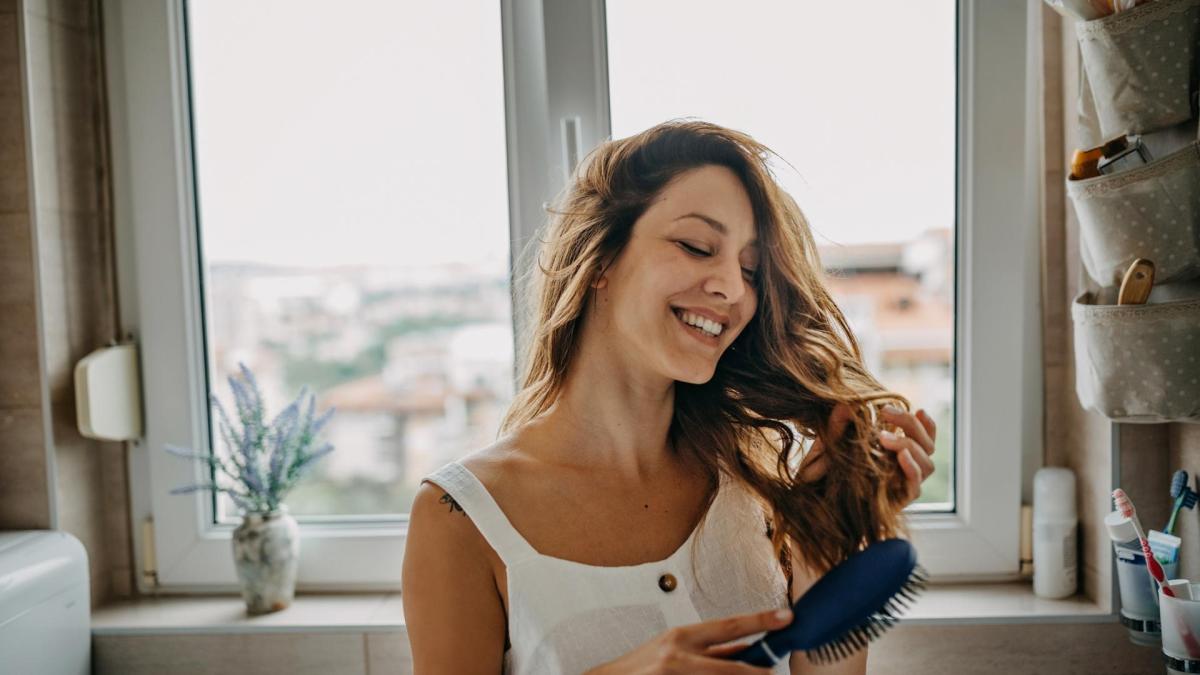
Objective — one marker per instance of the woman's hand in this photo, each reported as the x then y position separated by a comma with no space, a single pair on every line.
690,649
913,449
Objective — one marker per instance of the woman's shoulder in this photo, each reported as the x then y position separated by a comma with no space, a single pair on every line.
503,462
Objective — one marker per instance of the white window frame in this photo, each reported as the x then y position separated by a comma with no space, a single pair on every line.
559,73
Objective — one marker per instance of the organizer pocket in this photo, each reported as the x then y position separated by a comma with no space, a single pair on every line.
1138,363
1151,212
1141,65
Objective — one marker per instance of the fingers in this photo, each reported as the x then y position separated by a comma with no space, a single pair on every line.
930,425
701,635
907,452
919,430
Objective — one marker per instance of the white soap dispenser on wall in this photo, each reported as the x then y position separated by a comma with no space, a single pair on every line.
108,394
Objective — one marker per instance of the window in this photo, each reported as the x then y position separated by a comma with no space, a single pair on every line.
288,165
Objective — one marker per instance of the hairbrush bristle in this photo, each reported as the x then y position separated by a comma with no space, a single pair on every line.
859,636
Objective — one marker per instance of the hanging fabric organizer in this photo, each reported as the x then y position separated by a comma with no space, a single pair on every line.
1141,363
1141,65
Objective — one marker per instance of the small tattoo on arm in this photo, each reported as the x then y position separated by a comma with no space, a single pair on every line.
447,499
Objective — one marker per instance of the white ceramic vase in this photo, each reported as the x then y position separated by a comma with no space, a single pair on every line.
266,552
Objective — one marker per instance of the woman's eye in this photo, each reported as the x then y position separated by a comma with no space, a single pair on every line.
693,250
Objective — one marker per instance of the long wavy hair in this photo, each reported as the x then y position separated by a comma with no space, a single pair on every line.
782,378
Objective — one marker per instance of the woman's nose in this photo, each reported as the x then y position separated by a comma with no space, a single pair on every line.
726,281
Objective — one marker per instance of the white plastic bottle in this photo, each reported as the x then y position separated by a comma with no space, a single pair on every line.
1054,530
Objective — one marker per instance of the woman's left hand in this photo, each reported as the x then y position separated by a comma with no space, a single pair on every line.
913,449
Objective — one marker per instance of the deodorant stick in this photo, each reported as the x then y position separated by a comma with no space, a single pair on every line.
1054,528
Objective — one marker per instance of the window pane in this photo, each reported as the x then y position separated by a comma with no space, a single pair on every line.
859,98
352,199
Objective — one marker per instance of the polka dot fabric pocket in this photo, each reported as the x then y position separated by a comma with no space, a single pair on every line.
1141,65
1152,212
1138,363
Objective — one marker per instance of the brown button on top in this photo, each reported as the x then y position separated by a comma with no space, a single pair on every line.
667,582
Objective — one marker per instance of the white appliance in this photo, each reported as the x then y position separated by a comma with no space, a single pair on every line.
45,604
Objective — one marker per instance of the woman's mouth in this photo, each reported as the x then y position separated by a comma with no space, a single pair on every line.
698,327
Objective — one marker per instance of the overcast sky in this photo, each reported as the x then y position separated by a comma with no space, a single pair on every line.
375,133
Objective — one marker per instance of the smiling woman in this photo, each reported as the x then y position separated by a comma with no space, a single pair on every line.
683,345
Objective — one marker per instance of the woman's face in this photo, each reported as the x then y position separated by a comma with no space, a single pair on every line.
690,259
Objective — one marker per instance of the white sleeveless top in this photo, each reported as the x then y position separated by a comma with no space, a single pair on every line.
567,617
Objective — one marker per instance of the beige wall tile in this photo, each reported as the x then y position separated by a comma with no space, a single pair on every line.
19,378
261,654
24,487
1145,473
14,196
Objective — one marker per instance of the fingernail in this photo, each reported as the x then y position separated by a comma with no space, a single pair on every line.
783,614
887,435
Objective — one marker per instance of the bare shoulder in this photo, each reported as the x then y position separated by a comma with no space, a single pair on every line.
505,460
448,588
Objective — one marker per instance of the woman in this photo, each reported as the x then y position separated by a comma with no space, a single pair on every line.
683,341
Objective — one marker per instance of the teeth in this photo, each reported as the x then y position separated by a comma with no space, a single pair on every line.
711,327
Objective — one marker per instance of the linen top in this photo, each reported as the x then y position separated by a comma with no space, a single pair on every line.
567,617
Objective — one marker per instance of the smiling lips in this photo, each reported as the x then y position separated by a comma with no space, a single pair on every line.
699,327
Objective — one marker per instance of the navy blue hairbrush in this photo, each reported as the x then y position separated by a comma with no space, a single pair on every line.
845,609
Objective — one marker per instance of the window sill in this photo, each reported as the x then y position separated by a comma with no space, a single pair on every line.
956,604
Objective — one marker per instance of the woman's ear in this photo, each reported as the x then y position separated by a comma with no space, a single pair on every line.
601,279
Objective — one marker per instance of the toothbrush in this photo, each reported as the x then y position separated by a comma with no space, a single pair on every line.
849,606
1125,506
1184,497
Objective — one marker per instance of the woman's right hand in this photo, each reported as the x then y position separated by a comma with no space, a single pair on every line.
691,649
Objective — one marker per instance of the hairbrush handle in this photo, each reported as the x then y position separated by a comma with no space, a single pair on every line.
759,654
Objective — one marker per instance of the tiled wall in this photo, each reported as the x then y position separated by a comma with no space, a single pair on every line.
56,286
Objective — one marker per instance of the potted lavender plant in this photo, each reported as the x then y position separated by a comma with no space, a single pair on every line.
265,461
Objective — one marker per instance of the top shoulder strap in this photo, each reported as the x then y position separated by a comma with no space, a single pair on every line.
466,489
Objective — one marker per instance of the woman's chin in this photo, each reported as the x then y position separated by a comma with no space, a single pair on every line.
694,376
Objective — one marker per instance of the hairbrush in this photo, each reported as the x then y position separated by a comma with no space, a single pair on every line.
854,603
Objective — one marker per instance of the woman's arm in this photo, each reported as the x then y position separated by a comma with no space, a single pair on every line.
855,664
453,611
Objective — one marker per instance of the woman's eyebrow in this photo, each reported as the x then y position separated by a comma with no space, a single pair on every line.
715,224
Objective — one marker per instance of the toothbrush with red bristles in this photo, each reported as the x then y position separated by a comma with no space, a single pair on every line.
1125,506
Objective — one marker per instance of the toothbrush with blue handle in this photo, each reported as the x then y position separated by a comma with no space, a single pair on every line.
1183,495
848,607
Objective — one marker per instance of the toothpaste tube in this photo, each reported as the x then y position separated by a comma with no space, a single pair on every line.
1164,546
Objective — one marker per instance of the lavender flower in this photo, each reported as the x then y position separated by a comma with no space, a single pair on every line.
265,460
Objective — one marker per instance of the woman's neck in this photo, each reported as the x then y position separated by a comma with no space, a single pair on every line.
611,417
